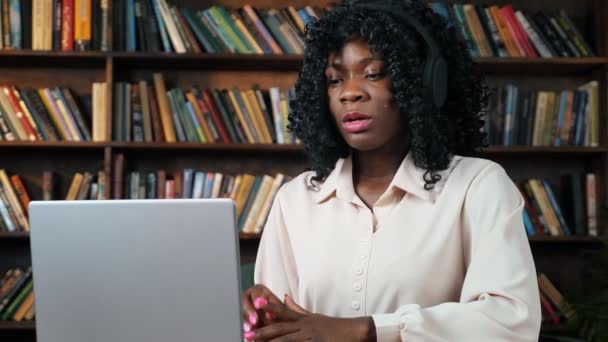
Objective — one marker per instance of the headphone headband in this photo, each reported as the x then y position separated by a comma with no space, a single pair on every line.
435,69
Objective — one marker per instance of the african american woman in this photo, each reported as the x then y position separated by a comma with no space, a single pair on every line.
398,232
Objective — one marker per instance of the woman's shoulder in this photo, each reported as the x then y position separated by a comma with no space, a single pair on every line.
300,187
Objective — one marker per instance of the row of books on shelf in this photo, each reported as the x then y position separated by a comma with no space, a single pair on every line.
525,117
253,194
17,295
17,298
575,213
161,25
158,25
59,25
555,309
544,214
52,114
146,113
502,31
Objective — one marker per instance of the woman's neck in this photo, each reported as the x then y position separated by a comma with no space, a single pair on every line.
379,165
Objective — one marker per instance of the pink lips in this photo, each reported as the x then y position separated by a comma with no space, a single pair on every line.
356,122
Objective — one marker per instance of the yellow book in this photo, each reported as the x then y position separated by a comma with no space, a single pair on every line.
296,18
68,119
24,307
244,189
256,125
61,129
235,187
14,201
259,116
74,186
285,113
206,133
545,207
258,202
82,24
163,107
241,117
245,32
268,201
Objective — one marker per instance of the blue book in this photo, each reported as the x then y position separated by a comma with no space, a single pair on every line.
187,183
179,129
560,118
131,40
528,224
209,180
161,27
304,16
556,208
199,184
579,133
15,23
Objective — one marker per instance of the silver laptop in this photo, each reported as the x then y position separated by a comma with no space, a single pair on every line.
136,270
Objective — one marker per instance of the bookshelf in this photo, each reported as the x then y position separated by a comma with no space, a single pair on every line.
558,257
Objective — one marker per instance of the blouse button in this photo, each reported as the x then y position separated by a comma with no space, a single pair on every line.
355,305
359,271
357,287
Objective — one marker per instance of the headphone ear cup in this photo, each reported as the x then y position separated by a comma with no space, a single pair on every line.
437,72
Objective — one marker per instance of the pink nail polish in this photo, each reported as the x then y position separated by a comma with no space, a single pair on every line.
247,327
253,318
268,316
259,302
250,335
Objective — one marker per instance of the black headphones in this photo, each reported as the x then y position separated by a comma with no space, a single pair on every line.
435,75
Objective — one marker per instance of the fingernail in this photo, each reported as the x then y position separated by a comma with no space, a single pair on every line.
259,302
253,318
247,327
268,316
250,335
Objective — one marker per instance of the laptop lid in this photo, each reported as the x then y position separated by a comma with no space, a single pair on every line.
136,270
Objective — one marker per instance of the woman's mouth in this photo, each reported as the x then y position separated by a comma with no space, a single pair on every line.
356,122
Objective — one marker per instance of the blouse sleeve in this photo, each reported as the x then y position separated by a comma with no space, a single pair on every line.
275,264
499,299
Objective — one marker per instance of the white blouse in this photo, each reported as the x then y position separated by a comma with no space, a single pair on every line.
451,264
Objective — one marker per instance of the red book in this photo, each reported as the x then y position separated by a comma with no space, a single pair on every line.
544,301
538,227
215,115
24,198
519,33
67,25
29,130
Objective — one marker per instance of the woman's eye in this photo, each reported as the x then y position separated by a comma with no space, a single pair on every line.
373,76
334,81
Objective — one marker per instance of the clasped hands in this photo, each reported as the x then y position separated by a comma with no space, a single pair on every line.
267,318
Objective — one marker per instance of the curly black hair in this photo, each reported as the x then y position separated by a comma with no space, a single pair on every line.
435,135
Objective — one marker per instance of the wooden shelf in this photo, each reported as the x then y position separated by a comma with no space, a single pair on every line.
565,239
14,235
208,147
204,61
26,236
51,145
494,150
540,65
12,325
138,146
29,58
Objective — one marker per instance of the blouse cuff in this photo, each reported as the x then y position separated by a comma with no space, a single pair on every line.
395,326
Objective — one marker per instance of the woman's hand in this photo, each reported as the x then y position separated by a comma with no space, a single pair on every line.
296,324
253,298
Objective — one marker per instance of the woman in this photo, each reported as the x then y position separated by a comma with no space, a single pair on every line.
397,233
